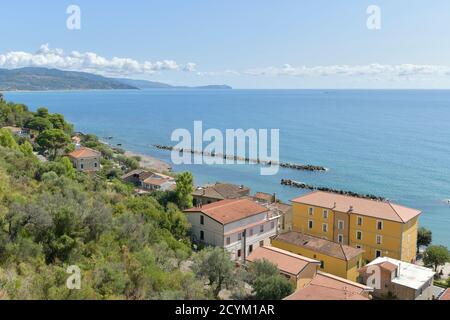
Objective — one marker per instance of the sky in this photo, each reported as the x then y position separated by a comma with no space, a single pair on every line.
289,44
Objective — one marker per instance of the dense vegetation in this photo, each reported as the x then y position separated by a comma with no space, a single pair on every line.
127,246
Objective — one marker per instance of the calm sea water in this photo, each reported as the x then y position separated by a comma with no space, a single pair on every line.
390,143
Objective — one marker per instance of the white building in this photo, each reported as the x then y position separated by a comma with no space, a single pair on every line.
238,225
397,279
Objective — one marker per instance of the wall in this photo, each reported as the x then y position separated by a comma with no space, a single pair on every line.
332,265
88,164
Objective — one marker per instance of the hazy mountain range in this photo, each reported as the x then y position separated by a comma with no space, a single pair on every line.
42,79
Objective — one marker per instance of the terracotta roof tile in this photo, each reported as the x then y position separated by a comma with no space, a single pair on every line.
445,295
325,286
222,191
84,153
231,210
324,246
286,261
372,208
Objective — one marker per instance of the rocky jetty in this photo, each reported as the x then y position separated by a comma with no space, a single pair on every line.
301,185
293,166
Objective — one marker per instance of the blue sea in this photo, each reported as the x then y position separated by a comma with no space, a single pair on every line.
389,143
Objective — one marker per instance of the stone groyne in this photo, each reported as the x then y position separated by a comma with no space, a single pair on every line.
301,185
293,166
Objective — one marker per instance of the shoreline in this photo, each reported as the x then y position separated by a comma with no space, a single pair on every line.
150,162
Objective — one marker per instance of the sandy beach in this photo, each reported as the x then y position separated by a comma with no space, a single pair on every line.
150,162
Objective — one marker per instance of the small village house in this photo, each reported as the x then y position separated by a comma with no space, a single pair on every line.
396,279
85,159
309,282
335,258
217,192
298,269
380,228
238,225
150,181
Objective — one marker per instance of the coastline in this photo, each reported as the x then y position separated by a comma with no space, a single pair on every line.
150,162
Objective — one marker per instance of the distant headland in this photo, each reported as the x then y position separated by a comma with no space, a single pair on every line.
44,79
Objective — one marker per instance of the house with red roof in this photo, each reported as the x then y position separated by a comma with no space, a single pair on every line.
237,225
85,159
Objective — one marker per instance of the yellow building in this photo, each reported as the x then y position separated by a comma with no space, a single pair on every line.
337,259
380,228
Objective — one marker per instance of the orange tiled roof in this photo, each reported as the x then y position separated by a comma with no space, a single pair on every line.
445,295
84,153
286,261
372,208
324,246
227,211
325,286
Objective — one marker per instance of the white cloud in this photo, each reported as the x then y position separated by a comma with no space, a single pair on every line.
190,67
88,62
371,70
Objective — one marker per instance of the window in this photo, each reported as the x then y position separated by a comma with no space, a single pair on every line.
202,220
261,228
325,214
379,239
202,235
82,166
251,232
379,225
325,227
377,253
340,238
311,211
239,253
261,243
272,225
358,235
239,236
360,221
250,249
341,225
322,264
310,224
95,164
228,241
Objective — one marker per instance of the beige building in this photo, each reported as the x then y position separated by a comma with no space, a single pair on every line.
394,279
150,181
85,159
238,225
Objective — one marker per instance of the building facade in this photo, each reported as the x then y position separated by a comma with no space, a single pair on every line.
85,159
394,279
338,259
380,228
238,225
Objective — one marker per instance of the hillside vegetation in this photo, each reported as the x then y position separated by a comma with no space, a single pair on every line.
127,246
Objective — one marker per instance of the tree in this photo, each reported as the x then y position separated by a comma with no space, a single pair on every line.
267,282
42,112
7,140
436,256
53,140
183,191
424,237
39,124
215,265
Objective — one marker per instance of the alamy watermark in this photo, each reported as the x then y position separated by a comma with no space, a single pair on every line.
374,19
74,280
235,146
73,22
